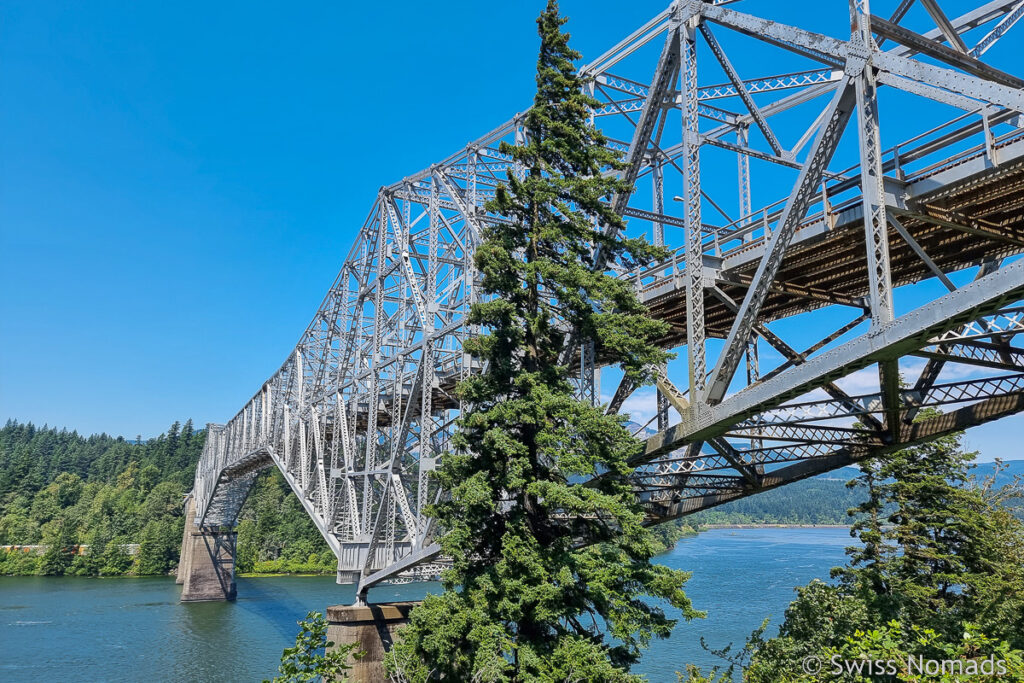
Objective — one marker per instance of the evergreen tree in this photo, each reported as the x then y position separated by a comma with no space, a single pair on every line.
116,560
939,557
158,548
60,551
90,562
919,564
865,569
184,445
552,577
995,599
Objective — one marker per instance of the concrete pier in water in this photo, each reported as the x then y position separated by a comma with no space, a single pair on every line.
373,628
207,566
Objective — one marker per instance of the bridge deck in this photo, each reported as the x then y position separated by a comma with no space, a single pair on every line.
961,214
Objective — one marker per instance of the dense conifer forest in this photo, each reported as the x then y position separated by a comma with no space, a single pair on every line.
106,506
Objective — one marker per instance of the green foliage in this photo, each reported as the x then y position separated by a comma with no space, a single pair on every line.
821,500
116,560
889,652
821,616
89,498
695,675
995,599
159,547
551,578
276,535
736,660
938,574
971,655
934,550
61,548
19,562
314,658
665,536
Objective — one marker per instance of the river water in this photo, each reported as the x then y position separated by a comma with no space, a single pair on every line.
123,629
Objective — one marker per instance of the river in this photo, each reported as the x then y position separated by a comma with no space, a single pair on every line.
126,629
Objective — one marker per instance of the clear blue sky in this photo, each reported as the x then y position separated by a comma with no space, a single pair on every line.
180,182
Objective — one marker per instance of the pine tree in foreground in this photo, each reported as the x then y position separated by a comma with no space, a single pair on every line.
551,578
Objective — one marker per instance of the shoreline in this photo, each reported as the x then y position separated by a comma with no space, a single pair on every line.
669,545
766,525
104,577
266,575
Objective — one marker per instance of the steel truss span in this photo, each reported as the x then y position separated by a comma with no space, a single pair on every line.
852,241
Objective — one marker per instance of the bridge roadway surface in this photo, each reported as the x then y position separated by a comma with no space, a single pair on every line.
360,413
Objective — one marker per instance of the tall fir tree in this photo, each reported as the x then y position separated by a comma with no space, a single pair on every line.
866,566
920,529
61,547
551,577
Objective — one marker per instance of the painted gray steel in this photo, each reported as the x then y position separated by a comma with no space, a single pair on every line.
362,410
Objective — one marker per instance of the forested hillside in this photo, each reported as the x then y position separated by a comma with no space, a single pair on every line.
826,498
821,500
88,499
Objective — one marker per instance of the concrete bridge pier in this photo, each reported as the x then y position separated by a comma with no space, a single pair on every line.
373,628
186,546
207,566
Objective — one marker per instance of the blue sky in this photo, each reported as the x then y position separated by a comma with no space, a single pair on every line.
179,182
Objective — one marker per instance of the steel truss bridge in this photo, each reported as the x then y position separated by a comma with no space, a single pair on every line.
896,266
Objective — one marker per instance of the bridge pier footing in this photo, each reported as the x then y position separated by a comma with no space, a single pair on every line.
373,628
207,566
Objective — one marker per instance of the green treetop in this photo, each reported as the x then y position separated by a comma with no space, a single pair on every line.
939,574
927,538
551,576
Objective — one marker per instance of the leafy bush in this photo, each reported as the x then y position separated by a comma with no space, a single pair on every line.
314,658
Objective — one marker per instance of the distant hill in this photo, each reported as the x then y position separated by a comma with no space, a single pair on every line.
60,489
823,499
819,500
1012,469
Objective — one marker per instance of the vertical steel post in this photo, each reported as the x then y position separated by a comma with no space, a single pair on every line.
692,212
426,459
743,168
876,226
658,203
876,229
370,457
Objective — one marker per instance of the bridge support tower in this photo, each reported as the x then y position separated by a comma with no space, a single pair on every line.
207,566
373,628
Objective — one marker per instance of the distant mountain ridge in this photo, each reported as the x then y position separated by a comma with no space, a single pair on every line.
823,499
1011,469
